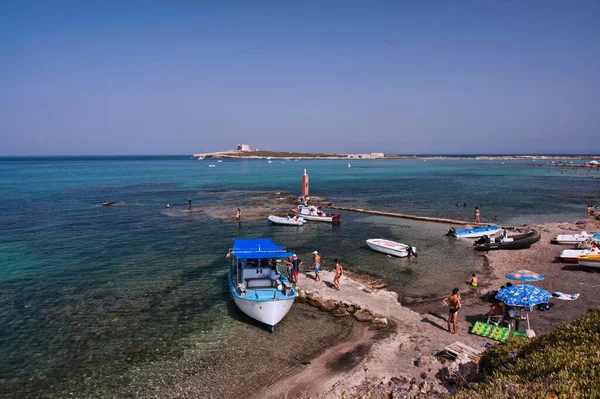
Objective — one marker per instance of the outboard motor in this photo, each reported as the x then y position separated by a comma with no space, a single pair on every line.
482,240
451,232
411,251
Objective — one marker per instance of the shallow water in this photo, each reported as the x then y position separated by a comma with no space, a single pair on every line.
130,300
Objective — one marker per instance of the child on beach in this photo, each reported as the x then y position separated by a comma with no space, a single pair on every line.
473,281
453,302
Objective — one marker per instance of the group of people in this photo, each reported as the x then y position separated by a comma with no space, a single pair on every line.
294,263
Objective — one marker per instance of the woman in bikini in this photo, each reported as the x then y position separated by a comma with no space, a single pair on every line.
453,302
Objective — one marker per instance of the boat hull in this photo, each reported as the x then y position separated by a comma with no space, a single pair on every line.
390,247
589,260
571,255
269,312
520,241
475,232
323,217
573,239
286,221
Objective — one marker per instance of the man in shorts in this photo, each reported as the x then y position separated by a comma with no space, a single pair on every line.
317,265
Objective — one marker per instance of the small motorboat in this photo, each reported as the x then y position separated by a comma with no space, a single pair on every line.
574,238
590,260
475,232
571,255
518,241
291,221
212,166
391,247
255,288
313,213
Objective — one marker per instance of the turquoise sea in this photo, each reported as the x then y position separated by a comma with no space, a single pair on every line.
131,301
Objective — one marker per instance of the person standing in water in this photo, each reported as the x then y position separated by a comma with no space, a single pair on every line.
238,215
453,303
477,215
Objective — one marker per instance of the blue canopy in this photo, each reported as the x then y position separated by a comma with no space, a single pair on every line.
258,248
524,295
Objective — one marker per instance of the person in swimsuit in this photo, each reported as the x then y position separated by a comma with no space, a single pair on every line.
473,281
477,215
453,302
317,265
339,270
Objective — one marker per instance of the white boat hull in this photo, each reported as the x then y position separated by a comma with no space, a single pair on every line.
268,312
589,263
312,213
287,221
570,255
571,238
389,247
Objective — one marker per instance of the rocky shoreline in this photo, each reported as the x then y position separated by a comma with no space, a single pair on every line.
397,351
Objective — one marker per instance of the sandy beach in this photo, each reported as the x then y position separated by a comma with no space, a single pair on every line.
398,355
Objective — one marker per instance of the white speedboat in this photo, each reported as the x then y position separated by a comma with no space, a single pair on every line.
474,232
253,286
313,213
391,247
212,166
292,221
570,255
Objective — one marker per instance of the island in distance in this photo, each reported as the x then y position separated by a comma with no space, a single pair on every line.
244,151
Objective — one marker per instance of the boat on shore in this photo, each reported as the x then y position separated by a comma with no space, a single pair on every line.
571,255
313,213
291,221
589,260
251,284
474,232
391,247
575,238
519,241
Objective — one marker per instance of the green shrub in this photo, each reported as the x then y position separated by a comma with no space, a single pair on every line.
564,363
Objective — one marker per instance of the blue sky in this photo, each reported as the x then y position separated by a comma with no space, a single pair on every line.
406,77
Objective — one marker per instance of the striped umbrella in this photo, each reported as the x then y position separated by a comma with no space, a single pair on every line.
525,275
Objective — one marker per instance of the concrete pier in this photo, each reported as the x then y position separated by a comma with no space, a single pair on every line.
405,216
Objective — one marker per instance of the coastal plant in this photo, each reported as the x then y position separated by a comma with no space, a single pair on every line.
564,363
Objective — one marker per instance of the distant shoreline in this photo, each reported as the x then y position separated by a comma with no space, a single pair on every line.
297,155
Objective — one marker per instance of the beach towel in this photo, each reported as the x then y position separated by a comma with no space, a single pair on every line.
563,296
497,333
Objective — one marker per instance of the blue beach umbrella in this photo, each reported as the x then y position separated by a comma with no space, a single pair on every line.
525,275
525,296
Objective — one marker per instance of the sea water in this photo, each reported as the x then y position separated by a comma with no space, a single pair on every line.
131,300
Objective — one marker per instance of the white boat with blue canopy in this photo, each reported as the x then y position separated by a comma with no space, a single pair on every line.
474,232
256,290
